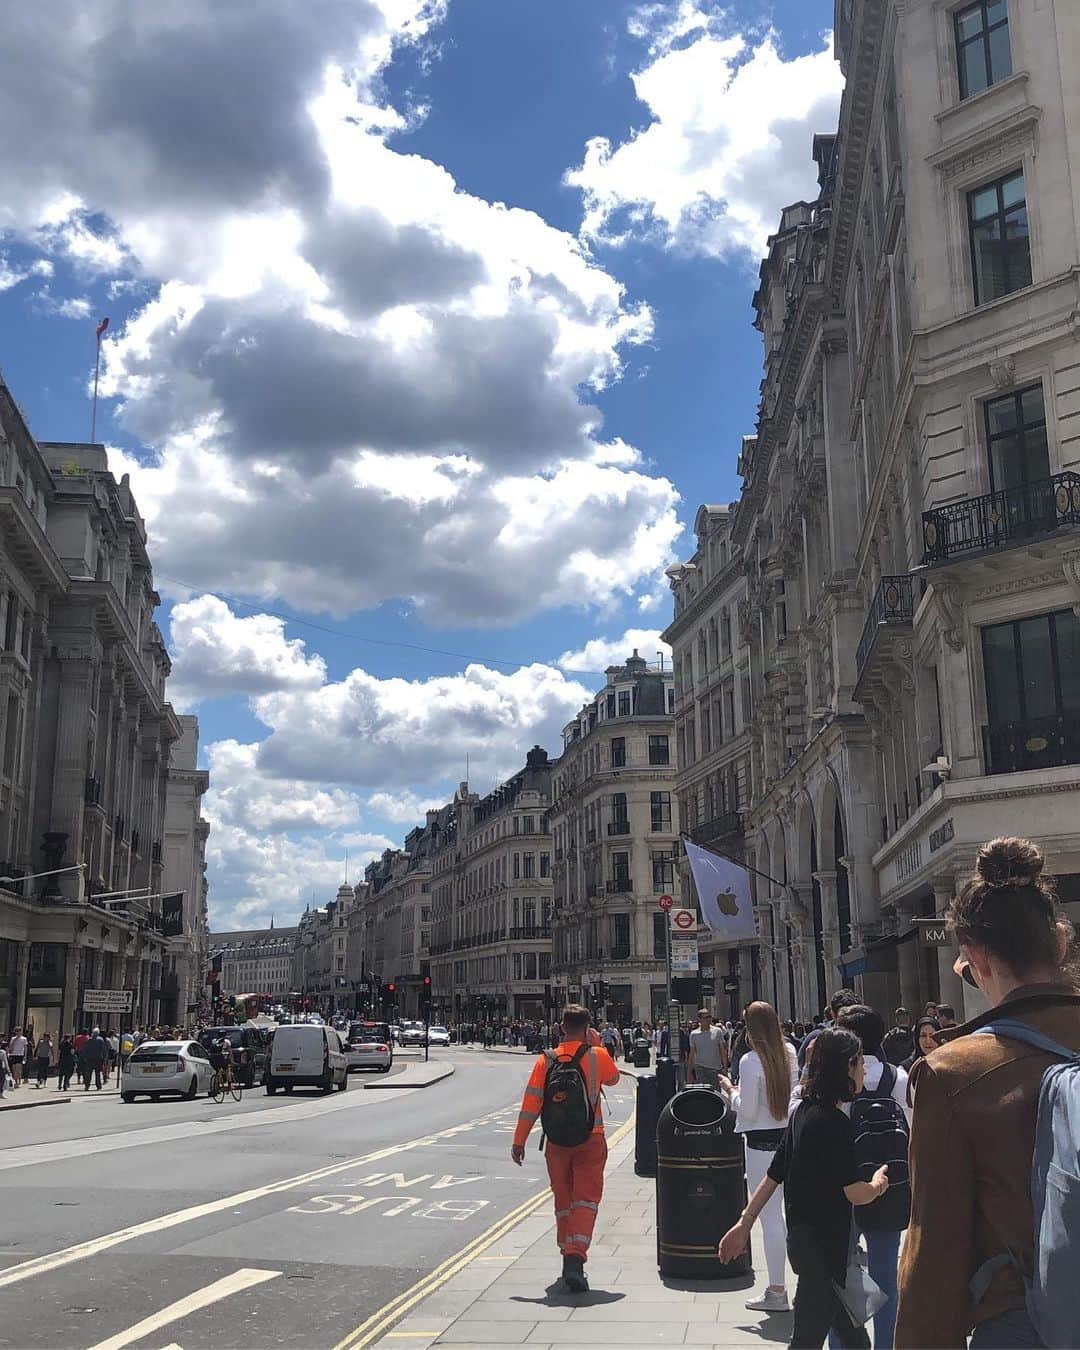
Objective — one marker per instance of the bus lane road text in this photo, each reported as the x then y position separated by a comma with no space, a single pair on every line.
355,1199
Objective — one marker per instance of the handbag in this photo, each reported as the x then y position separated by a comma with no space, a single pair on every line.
860,1296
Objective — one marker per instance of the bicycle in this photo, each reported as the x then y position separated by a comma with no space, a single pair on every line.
225,1081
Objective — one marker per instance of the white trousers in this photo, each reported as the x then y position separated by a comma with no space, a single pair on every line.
773,1228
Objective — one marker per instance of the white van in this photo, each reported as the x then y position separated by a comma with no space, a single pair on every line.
307,1056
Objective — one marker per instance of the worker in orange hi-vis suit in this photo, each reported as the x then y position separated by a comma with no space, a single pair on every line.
564,1093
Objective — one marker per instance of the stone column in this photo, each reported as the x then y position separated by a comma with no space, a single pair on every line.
804,952
22,966
950,985
830,929
907,956
780,955
71,989
69,763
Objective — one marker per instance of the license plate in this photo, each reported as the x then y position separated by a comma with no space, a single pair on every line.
284,1068
154,1068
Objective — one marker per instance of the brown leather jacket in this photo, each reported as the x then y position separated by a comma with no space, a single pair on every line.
972,1138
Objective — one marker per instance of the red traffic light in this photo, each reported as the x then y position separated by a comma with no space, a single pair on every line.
392,987
427,981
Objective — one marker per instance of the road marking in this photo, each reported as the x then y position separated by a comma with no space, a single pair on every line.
235,1283
40,1265
376,1325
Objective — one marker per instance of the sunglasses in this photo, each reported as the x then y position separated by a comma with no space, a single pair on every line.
968,975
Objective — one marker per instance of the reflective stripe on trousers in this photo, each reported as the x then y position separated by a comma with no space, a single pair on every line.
577,1180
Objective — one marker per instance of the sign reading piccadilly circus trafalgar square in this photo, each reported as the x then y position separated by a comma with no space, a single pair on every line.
106,1000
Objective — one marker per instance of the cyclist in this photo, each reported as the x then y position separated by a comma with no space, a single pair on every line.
222,1060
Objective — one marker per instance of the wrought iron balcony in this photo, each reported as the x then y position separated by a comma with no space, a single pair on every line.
1038,743
729,823
1001,518
619,827
893,603
620,886
531,932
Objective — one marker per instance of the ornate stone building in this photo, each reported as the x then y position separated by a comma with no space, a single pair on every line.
911,500
712,732
615,831
86,736
184,872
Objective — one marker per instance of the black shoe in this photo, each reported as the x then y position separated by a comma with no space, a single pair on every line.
573,1273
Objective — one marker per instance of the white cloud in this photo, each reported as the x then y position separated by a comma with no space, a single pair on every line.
599,653
216,652
241,796
404,807
258,876
729,143
346,366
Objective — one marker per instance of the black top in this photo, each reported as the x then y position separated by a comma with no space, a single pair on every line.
814,1164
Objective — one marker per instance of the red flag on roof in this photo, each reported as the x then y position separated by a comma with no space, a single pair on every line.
101,328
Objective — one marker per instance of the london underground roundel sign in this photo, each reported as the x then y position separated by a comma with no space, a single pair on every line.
684,921
666,901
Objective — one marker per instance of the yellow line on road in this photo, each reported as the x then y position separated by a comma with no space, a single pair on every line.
41,1265
379,1322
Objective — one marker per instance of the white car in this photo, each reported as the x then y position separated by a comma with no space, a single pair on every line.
438,1036
166,1066
369,1046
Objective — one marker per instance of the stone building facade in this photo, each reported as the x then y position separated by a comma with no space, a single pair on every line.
712,733
254,961
86,736
615,831
491,898
184,872
910,506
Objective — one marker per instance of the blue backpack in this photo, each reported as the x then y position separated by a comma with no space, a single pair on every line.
1052,1304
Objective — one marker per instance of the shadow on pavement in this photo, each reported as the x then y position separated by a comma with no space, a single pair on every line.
556,1296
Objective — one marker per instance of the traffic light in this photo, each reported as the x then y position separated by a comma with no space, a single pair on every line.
425,993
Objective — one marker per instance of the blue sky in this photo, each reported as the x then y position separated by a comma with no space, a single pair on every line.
441,349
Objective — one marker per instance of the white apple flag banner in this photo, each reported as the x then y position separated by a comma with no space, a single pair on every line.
723,889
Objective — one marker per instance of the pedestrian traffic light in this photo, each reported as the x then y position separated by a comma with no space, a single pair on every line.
425,994
391,989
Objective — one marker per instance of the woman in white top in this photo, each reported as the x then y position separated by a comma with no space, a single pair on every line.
768,1073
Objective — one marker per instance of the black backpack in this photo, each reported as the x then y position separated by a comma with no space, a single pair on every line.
567,1115
882,1136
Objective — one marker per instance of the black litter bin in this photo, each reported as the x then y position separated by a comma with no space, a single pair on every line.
642,1053
645,1120
700,1186
665,1082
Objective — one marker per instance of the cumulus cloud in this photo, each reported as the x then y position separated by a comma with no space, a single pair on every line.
242,796
348,371
729,142
258,876
404,807
599,653
391,733
216,652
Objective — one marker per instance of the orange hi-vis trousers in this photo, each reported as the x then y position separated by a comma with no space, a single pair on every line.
577,1180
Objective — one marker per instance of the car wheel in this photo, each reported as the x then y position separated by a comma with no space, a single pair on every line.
249,1078
193,1088
327,1084
128,1097
271,1088
385,1068
344,1081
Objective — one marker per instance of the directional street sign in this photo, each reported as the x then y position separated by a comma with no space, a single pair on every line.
107,1000
666,901
683,921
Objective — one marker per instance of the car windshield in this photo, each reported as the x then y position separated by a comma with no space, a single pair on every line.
212,1039
441,1031
149,1048
369,1031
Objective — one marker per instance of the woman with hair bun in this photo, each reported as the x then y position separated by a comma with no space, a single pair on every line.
976,1101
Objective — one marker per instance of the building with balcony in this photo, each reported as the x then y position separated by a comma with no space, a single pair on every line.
393,924
712,732
615,833
85,737
491,893
908,519
183,858
320,959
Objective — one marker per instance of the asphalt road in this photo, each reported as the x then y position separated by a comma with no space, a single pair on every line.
290,1220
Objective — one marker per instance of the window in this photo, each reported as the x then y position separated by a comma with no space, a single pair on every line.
544,972
671,699
545,864
658,750
729,708
618,752
1016,439
517,866
624,702
611,705
659,936
620,821
528,866
620,937
1032,692
528,824
663,871
1000,250
983,56
660,808
620,869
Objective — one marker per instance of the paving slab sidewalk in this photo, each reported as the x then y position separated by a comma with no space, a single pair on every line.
511,1295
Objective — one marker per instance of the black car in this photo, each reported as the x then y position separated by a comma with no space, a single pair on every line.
250,1047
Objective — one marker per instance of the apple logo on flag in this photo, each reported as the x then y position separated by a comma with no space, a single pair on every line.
726,902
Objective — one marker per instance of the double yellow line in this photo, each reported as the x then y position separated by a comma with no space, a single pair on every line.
380,1322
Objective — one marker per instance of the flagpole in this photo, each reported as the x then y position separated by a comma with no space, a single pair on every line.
737,862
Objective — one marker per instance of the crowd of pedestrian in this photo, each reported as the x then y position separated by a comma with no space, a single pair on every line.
90,1057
